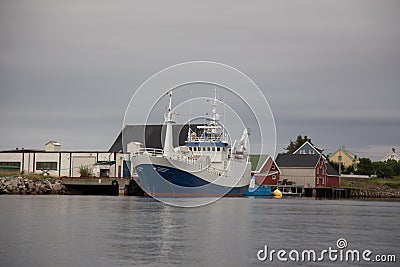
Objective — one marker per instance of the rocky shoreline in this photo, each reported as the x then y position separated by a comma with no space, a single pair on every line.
382,192
50,186
372,189
25,186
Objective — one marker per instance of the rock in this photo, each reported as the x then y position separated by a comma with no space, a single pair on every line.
57,187
14,182
9,188
48,184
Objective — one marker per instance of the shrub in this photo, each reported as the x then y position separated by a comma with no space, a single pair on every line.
85,171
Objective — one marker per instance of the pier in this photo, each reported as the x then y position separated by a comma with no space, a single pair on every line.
327,192
102,186
291,190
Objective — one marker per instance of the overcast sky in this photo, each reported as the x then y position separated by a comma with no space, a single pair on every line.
329,69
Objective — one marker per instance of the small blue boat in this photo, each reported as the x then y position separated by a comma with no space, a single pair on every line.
260,190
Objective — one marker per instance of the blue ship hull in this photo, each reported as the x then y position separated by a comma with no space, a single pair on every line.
157,180
259,191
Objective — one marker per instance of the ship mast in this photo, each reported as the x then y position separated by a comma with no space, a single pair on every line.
169,117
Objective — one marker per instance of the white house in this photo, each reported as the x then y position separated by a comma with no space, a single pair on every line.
391,156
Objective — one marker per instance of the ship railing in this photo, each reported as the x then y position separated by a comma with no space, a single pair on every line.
204,139
148,151
155,152
193,162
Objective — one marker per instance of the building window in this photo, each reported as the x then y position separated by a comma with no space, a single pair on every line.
273,167
311,152
218,149
11,164
302,151
213,149
208,148
46,166
273,177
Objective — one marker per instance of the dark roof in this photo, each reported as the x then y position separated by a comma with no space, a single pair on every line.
330,170
22,150
297,160
151,136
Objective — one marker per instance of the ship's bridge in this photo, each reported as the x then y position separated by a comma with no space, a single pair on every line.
207,143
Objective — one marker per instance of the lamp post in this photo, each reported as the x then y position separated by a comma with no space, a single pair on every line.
340,161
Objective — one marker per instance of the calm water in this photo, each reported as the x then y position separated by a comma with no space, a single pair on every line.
130,231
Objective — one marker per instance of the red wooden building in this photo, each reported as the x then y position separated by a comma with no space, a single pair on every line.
308,170
266,171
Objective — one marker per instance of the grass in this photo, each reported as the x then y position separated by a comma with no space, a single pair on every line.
373,183
393,183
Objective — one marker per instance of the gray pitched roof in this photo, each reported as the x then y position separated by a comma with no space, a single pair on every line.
150,135
330,170
297,160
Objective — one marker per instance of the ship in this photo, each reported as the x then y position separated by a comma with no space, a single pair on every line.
205,166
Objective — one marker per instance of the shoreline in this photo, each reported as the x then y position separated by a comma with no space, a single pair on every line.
26,186
53,186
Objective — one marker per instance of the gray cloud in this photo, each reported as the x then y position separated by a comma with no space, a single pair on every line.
330,69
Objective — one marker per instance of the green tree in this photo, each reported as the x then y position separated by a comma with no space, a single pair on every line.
387,169
349,169
343,169
293,146
365,167
394,167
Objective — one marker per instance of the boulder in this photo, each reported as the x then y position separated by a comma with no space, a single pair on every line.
57,187
48,184
14,182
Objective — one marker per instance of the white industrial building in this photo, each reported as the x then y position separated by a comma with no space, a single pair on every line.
113,163
55,162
